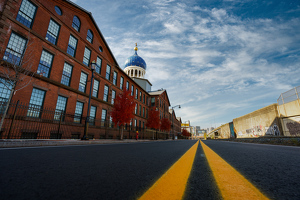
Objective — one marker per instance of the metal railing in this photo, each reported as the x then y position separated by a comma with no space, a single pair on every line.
25,121
289,96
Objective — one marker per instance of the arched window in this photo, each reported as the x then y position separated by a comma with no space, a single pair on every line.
90,36
58,10
76,23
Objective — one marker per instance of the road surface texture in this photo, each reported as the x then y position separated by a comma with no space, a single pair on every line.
127,171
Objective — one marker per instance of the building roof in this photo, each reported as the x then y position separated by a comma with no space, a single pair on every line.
142,79
157,92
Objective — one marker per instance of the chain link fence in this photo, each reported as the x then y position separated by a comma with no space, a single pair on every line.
289,96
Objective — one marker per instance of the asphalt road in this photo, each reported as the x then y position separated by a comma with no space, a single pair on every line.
273,169
126,171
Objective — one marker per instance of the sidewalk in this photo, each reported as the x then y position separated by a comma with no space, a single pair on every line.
10,143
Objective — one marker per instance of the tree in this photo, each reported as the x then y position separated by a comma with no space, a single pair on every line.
153,120
165,124
186,133
123,109
16,70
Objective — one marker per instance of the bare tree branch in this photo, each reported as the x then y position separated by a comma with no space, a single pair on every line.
16,72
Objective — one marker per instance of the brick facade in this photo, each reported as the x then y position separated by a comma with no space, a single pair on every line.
37,42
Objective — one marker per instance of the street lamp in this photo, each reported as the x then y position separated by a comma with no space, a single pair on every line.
85,135
173,119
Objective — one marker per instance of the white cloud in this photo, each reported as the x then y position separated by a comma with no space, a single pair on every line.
212,61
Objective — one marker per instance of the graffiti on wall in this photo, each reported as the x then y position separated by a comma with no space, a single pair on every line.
294,128
255,131
272,130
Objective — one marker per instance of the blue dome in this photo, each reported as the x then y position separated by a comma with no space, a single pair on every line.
135,60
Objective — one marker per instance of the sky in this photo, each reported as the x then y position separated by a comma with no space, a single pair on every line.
219,60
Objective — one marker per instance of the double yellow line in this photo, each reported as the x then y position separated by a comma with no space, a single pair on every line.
230,182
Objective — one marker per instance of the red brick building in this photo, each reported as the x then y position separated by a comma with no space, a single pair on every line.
59,40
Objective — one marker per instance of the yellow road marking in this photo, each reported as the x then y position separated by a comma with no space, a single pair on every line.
230,182
172,184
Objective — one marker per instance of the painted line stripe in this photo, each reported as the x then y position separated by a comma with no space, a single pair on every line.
172,184
230,182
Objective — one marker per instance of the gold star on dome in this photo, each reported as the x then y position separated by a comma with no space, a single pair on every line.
135,48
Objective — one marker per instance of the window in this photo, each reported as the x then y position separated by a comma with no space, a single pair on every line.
132,90
98,67
113,96
15,49
144,98
26,13
140,96
67,73
4,91
36,103
135,109
89,36
146,113
152,101
103,117
86,56
76,23
143,111
82,83
95,88
45,64
100,49
121,82
58,10
107,72
52,33
140,110
78,112
60,107
105,96
127,85
92,115
72,46
136,93
115,78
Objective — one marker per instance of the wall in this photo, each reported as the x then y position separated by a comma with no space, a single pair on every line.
262,122
222,132
225,131
290,118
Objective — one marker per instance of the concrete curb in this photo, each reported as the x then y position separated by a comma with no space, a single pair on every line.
8,143
287,141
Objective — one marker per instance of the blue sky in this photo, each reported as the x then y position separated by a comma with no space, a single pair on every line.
218,59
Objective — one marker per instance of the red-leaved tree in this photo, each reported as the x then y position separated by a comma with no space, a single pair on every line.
165,124
186,133
123,109
153,120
